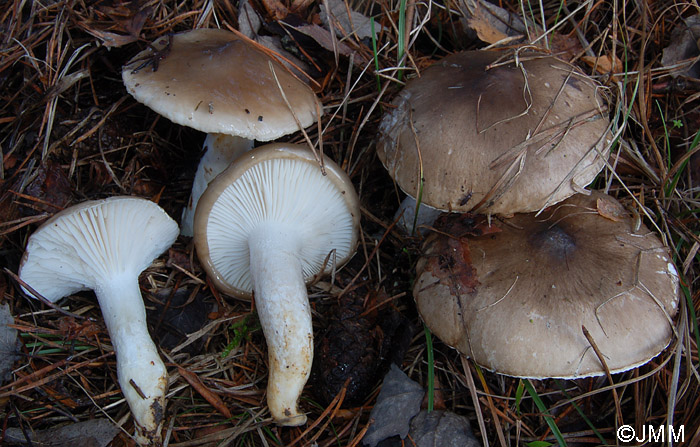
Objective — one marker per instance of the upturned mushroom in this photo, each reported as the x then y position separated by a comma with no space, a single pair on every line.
263,228
212,81
482,132
103,245
515,297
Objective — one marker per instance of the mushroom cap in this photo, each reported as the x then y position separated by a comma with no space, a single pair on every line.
515,297
87,244
270,185
491,142
211,80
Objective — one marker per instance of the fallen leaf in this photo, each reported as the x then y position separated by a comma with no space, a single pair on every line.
451,265
179,257
604,64
112,40
50,187
450,261
611,209
346,21
438,396
323,37
8,343
301,5
249,22
275,9
73,329
442,428
683,49
491,23
123,18
398,402
90,433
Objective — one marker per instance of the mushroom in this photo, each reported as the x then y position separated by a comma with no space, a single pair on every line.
515,297
211,80
478,133
264,227
103,245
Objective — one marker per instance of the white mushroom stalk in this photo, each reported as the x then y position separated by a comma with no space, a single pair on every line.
103,245
220,150
264,227
285,316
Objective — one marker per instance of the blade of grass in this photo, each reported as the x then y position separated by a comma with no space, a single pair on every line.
667,140
375,55
431,367
581,413
519,396
545,413
677,176
401,50
693,315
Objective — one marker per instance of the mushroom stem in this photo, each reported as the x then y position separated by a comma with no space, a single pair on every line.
142,374
406,213
220,151
285,316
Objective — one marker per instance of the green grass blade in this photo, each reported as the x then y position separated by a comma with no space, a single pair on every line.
402,32
543,409
375,54
519,396
431,367
582,414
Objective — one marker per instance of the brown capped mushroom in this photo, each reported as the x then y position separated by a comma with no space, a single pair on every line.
515,297
211,80
494,135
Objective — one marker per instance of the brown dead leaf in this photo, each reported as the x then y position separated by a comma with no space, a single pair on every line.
300,6
604,64
491,23
564,46
611,209
122,24
438,396
451,261
51,189
180,258
681,55
452,266
73,329
484,28
275,9
112,40
145,188
323,37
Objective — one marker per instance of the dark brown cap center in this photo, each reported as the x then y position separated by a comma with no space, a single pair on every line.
554,242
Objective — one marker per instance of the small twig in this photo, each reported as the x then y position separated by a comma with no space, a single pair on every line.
618,409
